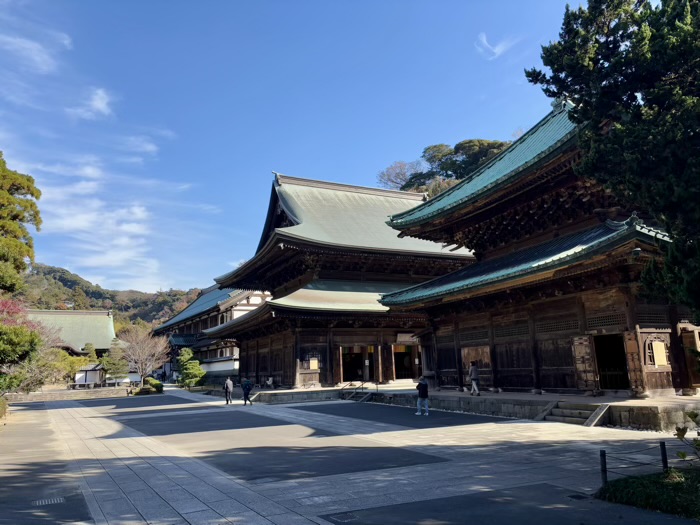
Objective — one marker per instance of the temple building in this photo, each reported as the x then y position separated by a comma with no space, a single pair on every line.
325,255
214,306
78,328
553,302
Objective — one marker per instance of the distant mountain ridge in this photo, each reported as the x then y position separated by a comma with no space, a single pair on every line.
51,287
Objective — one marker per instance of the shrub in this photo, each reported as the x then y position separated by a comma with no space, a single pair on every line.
155,384
143,391
3,407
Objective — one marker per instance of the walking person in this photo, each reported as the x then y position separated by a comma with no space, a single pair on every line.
422,388
474,376
247,387
228,389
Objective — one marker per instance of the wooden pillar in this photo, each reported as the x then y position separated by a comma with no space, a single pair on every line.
537,389
435,358
680,373
297,358
393,360
365,366
378,361
415,349
494,354
458,356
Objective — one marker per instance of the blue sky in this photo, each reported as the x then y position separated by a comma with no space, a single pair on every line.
152,127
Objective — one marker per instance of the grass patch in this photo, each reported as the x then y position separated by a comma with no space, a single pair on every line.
3,407
673,492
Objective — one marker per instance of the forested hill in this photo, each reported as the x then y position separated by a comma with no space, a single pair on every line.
49,287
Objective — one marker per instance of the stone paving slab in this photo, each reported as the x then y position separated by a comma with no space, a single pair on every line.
128,476
540,504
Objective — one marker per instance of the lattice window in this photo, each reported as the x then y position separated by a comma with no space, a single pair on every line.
445,339
557,325
657,352
468,336
512,330
606,319
657,317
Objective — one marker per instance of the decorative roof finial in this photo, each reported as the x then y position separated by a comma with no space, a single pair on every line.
634,220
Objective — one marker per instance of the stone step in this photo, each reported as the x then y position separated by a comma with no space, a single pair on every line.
570,420
565,412
577,406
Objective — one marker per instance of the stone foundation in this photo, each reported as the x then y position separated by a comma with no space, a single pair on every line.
67,395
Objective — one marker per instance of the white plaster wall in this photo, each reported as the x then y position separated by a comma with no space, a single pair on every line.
220,366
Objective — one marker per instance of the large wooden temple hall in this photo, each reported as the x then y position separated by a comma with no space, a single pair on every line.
553,302
325,255
524,267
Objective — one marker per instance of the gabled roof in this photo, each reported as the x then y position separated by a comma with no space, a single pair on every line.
339,216
91,367
541,259
78,328
548,135
209,299
338,297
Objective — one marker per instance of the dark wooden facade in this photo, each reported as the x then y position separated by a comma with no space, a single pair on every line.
578,323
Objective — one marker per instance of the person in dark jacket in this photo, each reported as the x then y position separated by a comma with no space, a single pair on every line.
228,389
422,388
247,387
474,376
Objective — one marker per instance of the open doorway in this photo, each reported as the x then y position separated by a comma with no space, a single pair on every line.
358,362
612,362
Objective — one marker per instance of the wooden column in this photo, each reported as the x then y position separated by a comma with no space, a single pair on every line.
535,356
680,372
494,355
458,356
297,358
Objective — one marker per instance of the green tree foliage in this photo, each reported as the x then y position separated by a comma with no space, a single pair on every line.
19,340
632,70
115,362
190,369
91,353
49,287
18,196
441,166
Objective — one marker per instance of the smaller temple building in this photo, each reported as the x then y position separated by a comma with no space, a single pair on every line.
214,306
77,328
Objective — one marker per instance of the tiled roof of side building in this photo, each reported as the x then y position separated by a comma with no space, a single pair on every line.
549,134
208,299
557,253
78,328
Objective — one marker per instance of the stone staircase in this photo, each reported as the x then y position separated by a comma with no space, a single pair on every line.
574,413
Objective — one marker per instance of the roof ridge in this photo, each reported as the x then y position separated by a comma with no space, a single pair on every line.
281,179
556,110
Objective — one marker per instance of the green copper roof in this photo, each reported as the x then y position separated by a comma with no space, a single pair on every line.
546,136
321,296
78,328
554,254
207,300
339,296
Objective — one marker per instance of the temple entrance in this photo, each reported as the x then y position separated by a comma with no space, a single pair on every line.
406,361
358,363
612,362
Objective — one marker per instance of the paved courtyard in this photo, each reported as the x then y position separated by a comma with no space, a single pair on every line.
187,458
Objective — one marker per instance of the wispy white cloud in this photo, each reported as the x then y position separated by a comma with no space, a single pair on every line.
140,144
97,105
492,52
31,54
